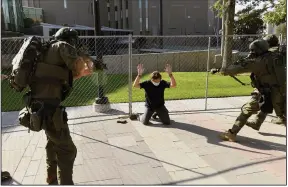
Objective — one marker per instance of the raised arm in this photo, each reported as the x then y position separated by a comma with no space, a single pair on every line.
140,70
168,69
245,65
79,66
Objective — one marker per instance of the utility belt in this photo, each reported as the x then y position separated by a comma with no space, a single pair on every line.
41,114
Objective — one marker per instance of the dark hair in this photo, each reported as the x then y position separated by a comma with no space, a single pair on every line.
156,75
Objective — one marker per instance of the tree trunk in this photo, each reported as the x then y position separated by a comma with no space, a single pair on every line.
229,24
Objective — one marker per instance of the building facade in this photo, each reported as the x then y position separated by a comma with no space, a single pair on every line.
180,17
70,12
36,14
12,16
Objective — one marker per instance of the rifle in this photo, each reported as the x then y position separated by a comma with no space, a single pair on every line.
217,70
98,63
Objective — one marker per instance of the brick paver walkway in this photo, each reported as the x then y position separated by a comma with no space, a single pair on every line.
187,152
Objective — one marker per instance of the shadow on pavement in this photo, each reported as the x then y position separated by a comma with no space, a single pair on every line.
213,138
272,134
225,171
187,169
99,141
10,182
95,121
111,112
220,110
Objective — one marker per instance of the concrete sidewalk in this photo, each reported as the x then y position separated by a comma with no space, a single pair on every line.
174,106
187,152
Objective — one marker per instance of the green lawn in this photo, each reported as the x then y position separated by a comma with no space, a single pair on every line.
189,85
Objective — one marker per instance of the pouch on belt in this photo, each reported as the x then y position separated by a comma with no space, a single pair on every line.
32,121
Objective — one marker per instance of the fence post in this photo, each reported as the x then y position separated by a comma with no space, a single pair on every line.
280,37
207,76
130,72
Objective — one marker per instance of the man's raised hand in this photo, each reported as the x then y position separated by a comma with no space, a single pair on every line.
168,69
140,69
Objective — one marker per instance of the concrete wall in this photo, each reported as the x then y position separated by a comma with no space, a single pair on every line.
191,61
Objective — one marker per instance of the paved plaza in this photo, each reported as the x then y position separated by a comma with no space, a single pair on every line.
186,152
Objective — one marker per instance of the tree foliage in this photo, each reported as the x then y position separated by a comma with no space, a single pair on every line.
281,29
249,21
218,7
278,14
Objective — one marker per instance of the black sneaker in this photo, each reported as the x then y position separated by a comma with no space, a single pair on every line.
154,116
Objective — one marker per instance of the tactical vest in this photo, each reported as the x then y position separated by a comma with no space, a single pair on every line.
263,76
277,66
29,69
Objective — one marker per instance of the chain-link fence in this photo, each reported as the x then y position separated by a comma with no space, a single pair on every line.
187,57
225,86
191,58
11,100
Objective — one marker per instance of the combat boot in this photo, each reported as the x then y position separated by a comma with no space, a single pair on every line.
5,175
52,180
253,125
279,121
228,136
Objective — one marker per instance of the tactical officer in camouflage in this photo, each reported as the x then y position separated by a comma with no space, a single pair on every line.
53,81
260,117
266,82
280,106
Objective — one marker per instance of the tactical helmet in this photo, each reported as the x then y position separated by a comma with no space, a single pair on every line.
67,34
258,47
272,40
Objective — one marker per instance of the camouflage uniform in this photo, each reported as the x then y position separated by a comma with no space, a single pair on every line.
255,63
59,60
280,106
247,110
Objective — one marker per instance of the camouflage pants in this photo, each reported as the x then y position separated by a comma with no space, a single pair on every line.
61,152
247,110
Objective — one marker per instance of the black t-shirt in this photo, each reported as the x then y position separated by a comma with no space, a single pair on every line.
154,94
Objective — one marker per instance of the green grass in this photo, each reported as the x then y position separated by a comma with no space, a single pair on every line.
189,86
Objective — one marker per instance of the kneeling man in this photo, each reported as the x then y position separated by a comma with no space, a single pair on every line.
154,94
